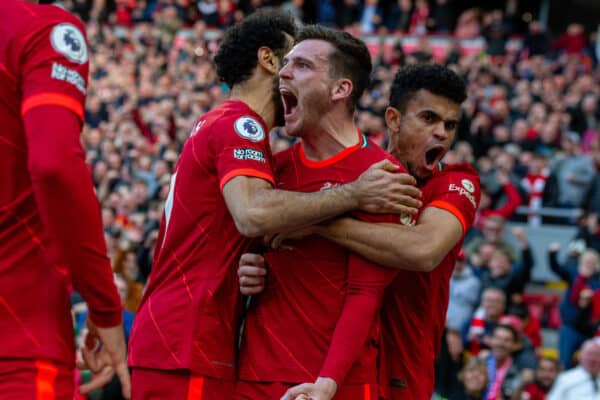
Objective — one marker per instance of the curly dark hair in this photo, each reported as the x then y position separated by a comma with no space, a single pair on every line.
350,58
236,58
434,78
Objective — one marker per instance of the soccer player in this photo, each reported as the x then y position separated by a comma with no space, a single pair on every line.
50,226
422,119
185,335
318,319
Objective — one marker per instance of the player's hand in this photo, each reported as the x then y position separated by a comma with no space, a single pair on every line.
105,354
381,190
251,274
322,389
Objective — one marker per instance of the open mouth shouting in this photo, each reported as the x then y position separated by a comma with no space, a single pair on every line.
433,155
290,102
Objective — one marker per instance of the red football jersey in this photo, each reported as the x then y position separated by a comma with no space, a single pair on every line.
190,313
414,307
44,65
310,319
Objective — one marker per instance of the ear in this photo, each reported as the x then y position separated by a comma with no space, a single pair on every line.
268,60
393,118
342,89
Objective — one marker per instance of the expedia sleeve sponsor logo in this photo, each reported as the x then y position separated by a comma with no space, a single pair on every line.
463,192
249,154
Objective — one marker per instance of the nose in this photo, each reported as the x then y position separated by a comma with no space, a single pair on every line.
285,72
439,131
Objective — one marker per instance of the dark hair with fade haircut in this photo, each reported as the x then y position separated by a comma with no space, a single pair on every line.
350,58
237,55
434,78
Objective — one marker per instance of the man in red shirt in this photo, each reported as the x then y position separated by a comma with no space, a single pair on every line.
50,228
330,297
184,339
422,118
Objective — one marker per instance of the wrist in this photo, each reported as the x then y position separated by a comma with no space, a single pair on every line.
351,192
328,385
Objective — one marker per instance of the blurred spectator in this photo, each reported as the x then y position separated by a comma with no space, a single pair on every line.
503,371
588,235
495,33
441,18
485,319
573,41
370,16
569,337
546,373
533,184
419,17
537,41
585,116
531,327
513,200
492,234
448,364
465,288
574,172
399,16
475,379
586,299
349,14
583,381
468,25
502,274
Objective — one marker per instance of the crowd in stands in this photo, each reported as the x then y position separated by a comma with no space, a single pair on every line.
530,125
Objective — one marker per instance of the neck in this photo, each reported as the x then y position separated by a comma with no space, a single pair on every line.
335,132
258,95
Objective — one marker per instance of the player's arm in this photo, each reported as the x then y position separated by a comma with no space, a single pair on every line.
53,87
258,209
366,283
418,248
441,225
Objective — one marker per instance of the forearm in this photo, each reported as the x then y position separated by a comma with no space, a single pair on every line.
513,201
350,335
391,245
273,211
556,267
69,211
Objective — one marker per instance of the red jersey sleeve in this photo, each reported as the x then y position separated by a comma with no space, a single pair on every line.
55,64
456,190
242,149
359,319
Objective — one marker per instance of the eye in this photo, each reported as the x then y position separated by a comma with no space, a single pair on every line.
429,117
450,126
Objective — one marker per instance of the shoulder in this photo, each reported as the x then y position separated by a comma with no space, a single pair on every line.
53,27
235,118
371,152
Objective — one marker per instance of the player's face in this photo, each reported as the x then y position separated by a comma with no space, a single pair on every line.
422,134
306,85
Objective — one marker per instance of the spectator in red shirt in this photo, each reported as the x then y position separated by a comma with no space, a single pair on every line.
545,374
